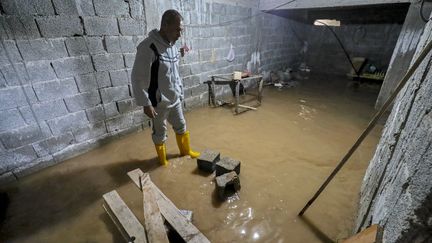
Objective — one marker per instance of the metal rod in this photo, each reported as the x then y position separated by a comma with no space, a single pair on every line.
371,125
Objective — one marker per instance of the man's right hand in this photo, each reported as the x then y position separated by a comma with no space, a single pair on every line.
150,111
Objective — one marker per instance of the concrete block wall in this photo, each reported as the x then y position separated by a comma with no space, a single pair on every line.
65,68
397,190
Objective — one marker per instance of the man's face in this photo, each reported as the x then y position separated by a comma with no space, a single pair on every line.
174,30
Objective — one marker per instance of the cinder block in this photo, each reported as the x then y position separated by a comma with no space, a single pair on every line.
227,184
53,144
71,66
40,71
119,78
60,26
112,44
12,97
21,136
76,46
86,82
82,101
96,113
104,62
27,114
114,94
226,165
120,122
207,160
15,74
69,122
103,80
18,157
129,59
138,117
101,26
50,109
55,89
111,7
10,119
25,7
127,44
129,26
95,45
110,110
19,27
42,49
218,8
11,52
126,105
191,81
90,131
73,7
136,9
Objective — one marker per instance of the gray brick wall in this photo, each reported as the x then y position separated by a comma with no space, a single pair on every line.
65,69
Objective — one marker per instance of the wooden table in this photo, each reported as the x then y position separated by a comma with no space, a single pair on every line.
226,79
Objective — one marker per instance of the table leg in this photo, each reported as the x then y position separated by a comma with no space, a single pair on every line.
260,89
237,96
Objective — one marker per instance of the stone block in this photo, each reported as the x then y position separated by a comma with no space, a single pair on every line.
101,26
112,44
2,81
69,122
10,51
82,101
42,49
95,45
73,7
120,122
15,74
199,89
34,166
86,82
27,114
60,26
136,9
207,160
184,70
96,113
226,165
104,62
119,77
10,119
17,157
191,81
55,89
71,66
27,7
129,26
49,109
114,94
138,117
227,184
129,59
12,97
76,46
90,131
53,144
103,80
126,105
127,44
18,27
21,136
40,71
111,7
110,110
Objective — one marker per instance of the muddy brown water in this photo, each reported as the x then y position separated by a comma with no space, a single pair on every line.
287,148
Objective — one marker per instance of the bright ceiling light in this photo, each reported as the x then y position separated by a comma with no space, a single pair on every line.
328,22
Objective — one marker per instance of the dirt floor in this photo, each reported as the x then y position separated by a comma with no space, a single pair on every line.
287,149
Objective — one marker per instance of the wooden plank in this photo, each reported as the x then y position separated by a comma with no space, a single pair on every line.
153,223
169,211
371,234
125,217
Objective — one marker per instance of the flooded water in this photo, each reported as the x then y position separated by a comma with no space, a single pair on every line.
287,147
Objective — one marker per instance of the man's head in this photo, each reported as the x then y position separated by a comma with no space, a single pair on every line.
171,25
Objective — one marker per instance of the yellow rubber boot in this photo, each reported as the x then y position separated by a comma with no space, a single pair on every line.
183,142
161,152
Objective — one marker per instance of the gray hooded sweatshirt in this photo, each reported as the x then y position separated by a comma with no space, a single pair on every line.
155,76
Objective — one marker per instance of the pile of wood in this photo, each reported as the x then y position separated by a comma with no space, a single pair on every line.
157,209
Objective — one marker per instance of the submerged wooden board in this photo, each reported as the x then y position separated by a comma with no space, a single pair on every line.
371,234
169,211
117,209
154,224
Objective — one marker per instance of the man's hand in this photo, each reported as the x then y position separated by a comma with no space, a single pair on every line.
150,111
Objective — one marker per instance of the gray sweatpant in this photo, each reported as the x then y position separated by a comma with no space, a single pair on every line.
175,117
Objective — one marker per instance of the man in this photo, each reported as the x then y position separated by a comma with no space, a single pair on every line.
157,85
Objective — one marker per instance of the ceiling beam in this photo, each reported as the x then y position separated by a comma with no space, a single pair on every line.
307,4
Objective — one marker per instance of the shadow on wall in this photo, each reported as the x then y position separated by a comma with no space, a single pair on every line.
42,202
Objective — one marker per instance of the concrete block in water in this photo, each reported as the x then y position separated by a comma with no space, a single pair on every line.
207,160
226,165
227,184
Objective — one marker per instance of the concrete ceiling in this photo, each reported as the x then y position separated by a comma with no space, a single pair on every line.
307,4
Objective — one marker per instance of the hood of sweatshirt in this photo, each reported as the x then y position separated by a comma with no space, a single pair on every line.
156,37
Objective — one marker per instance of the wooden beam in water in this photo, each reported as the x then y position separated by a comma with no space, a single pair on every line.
169,211
372,234
130,228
